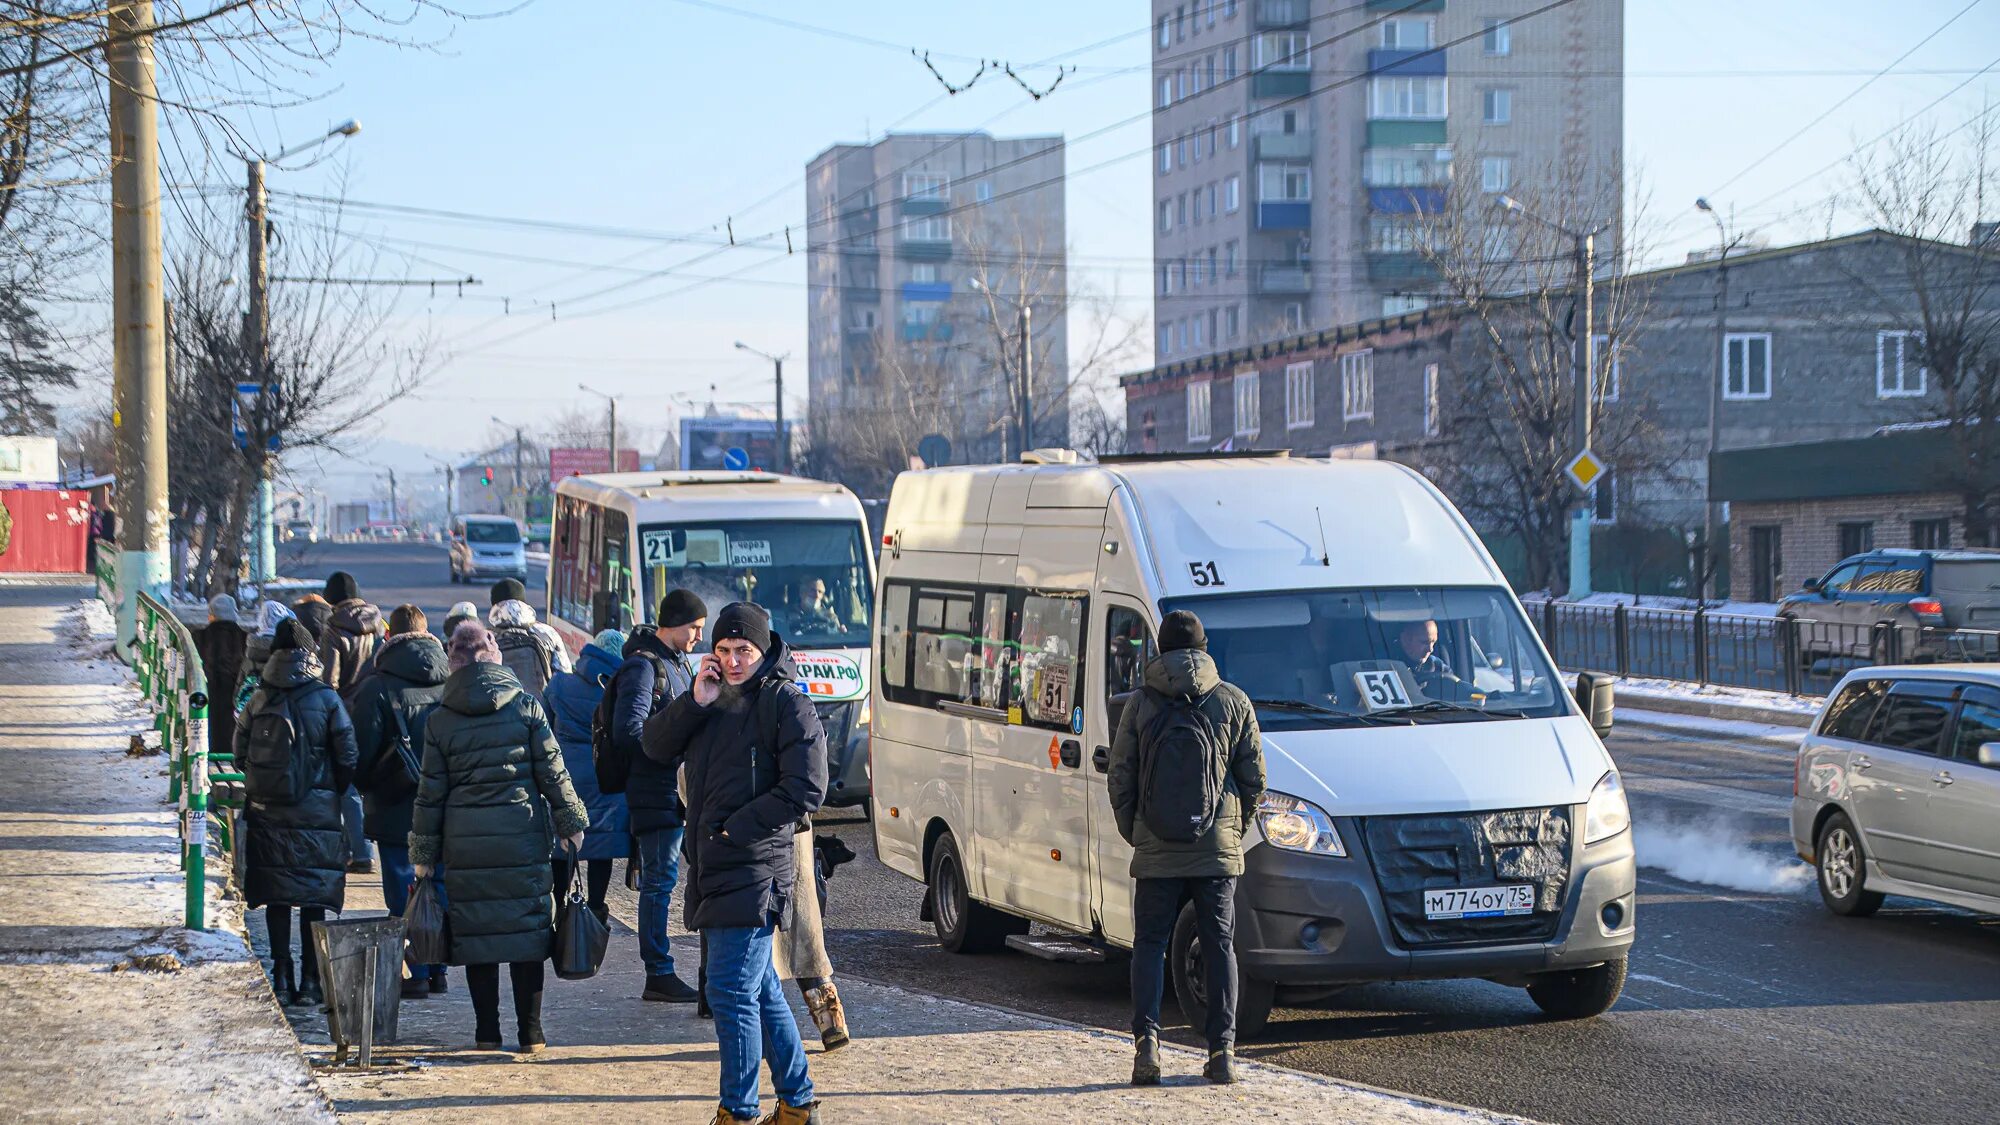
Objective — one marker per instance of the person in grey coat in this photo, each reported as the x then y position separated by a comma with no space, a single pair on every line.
1167,873
493,799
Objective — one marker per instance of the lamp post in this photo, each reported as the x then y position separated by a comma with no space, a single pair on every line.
1020,389
521,512
450,487
1711,521
257,338
1583,377
613,401
784,442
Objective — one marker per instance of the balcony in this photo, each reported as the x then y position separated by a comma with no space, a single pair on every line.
1406,200
924,249
1405,134
1284,278
927,291
1284,215
1405,265
1402,6
1284,146
1282,13
931,206
1405,63
1280,83
856,293
938,330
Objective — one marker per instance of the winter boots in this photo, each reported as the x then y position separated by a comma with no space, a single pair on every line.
669,988
724,1117
1146,1062
283,985
308,992
793,1115
823,1001
1221,1068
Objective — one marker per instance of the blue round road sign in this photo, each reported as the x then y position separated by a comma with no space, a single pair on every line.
736,458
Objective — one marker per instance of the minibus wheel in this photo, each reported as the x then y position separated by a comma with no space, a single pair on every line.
1575,994
962,925
1254,998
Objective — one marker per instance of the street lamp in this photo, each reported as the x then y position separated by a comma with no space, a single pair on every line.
257,334
1583,375
1711,522
784,443
1021,389
613,400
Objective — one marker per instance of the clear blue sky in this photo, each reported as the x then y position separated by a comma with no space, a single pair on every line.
674,117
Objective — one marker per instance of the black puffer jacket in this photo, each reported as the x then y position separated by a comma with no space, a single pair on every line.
296,855
744,799
350,638
408,680
493,799
653,792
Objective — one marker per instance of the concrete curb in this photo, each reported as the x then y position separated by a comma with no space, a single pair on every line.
1711,709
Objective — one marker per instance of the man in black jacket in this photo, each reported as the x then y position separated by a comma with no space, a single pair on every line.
652,792
756,765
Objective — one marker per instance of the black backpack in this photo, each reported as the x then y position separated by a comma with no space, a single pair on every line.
1182,766
400,767
273,773
612,762
524,651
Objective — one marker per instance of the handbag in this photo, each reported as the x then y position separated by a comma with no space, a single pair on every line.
426,926
580,936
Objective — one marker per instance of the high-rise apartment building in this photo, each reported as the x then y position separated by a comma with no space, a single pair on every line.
1301,147
923,249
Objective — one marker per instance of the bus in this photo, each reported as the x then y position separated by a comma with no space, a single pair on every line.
800,548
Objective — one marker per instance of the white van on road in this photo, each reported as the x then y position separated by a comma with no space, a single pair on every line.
1439,805
485,546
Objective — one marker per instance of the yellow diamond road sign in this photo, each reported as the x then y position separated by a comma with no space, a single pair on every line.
1584,469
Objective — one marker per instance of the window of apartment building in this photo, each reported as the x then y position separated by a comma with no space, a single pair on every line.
1166,339
1211,199
1214,266
983,191
923,273
1407,33
1197,410
1496,107
1604,499
927,228
920,314
926,187
1173,276
1433,412
1180,151
1197,337
1232,323
1180,23
1209,317
1209,68
1499,37
1149,431
1229,9
1163,279
1931,534
1235,131
1899,369
864,320
1857,537
1420,99
1298,395
1295,317
1232,194
1611,359
1396,304
1166,216
1284,183
1197,272
1212,6
1496,174
1166,158
1281,50
1406,167
1166,34
1390,235
1245,388
1166,91
1229,252
1746,365
1180,335
1229,64
1357,385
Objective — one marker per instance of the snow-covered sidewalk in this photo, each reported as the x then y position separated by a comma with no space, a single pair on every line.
110,1011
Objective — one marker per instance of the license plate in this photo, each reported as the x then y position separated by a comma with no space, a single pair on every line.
1480,902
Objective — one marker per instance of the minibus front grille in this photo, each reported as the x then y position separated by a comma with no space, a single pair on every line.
1414,854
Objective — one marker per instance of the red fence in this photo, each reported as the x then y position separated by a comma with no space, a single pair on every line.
51,530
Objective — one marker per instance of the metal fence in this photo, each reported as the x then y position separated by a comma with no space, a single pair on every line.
171,679
1770,653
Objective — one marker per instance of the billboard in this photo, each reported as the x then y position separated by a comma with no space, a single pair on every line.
566,463
729,443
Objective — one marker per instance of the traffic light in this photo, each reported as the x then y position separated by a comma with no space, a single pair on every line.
486,475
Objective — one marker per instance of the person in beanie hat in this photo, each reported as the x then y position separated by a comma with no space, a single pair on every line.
1184,704
573,699
533,651
656,669
756,765
313,612
507,590
459,614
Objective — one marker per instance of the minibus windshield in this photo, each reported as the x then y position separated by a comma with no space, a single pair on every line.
812,575
491,531
1331,658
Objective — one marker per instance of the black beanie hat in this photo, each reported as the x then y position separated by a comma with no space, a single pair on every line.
743,621
340,587
509,590
290,634
1182,629
680,607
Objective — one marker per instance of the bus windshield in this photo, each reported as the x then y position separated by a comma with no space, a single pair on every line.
812,575
1329,658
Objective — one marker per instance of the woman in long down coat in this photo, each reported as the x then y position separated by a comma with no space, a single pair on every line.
493,799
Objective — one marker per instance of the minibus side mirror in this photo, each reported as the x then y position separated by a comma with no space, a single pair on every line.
1594,697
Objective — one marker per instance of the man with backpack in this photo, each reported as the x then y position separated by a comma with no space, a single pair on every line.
534,652
389,709
1187,774
656,671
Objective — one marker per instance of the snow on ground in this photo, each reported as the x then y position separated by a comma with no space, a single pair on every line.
1639,688
1658,601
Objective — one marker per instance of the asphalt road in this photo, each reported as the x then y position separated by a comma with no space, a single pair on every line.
390,574
1747,1000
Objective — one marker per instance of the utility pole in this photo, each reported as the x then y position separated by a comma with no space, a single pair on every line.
783,442
1027,378
139,360
520,489
1583,361
1711,519
395,510
257,343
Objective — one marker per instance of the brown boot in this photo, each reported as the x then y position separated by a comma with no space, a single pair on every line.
823,1002
793,1115
724,1117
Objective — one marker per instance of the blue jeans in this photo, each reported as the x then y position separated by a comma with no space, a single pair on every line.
350,823
659,874
397,876
752,1020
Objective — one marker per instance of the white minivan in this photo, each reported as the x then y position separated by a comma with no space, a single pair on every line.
1439,804
486,546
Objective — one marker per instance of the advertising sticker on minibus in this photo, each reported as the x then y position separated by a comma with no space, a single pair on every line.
829,677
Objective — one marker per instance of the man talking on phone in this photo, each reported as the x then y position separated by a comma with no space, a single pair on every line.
756,765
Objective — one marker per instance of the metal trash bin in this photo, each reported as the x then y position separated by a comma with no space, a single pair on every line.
361,971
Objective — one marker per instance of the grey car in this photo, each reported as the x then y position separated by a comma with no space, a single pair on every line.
1897,789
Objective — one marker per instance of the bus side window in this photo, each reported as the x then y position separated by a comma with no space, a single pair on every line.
1128,647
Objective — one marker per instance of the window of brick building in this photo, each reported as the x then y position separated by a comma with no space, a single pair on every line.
1857,537
1931,534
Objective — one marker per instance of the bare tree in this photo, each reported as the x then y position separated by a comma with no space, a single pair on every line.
871,431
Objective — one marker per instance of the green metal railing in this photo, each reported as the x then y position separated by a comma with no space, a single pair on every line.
171,679
106,557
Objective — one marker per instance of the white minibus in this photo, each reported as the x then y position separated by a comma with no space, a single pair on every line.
797,547
1439,805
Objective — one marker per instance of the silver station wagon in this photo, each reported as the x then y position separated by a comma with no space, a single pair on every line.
1897,789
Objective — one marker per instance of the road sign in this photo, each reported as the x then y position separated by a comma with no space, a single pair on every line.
1584,470
736,458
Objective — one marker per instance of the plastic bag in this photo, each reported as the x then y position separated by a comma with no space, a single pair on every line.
425,926
580,935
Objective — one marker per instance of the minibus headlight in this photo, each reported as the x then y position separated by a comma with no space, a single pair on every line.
1608,814
1297,825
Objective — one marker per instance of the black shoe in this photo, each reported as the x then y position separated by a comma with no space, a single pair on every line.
283,985
669,988
1221,1068
309,993
361,867
701,1009
438,985
1146,1062
416,988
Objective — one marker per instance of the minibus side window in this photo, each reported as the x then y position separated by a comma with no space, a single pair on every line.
1128,647
895,638
1048,638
